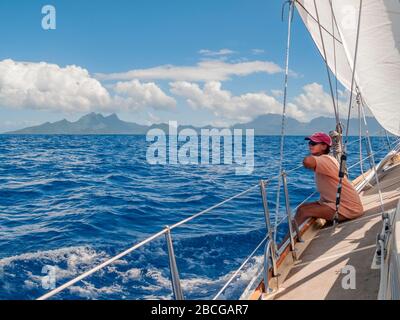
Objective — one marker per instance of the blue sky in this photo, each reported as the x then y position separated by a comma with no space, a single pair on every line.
115,37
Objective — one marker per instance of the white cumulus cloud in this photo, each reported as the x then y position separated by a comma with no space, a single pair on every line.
311,103
258,51
315,102
135,94
210,70
277,93
222,52
72,89
225,105
48,86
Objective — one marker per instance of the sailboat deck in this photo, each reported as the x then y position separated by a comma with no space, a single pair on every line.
328,255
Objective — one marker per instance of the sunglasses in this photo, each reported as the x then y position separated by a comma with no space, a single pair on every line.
312,143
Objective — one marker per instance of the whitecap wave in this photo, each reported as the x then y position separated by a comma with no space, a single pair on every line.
72,261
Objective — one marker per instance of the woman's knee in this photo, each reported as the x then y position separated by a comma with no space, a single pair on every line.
301,210
306,209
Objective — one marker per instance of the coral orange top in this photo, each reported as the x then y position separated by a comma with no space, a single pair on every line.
327,179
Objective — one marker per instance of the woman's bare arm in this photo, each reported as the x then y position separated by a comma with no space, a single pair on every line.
309,162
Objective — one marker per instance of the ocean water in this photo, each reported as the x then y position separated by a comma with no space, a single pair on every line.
70,202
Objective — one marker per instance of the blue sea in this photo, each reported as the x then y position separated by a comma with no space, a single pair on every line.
71,202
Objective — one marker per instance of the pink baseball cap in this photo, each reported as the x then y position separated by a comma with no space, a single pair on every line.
321,138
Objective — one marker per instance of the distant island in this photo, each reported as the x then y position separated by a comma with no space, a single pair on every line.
269,124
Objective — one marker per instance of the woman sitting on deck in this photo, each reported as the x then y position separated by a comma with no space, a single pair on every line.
326,170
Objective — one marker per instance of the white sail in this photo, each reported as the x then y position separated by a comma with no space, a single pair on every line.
377,71
334,50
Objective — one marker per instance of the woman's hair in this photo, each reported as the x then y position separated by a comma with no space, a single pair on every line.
327,150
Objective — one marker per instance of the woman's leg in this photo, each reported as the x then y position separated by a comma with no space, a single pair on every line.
315,210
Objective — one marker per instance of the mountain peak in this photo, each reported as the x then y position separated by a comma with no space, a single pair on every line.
93,115
113,116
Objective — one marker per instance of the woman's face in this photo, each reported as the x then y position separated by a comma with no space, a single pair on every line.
316,149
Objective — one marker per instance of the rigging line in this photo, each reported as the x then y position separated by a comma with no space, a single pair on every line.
283,8
337,28
343,158
326,64
357,140
353,75
312,17
360,143
387,139
235,274
290,16
334,56
334,40
372,156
